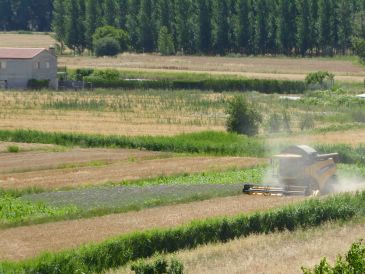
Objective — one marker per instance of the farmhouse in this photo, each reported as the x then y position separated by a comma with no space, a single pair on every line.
19,65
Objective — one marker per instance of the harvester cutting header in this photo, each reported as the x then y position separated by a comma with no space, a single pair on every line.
299,170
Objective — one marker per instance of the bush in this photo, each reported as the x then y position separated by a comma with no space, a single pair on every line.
106,47
165,42
322,79
158,265
107,75
242,117
354,262
118,35
358,45
38,84
83,72
13,149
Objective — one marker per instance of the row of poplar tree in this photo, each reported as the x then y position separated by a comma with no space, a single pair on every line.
290,27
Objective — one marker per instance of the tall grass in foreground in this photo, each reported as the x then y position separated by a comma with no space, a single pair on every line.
119,251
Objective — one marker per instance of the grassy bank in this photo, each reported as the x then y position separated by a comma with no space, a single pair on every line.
119,251
213,143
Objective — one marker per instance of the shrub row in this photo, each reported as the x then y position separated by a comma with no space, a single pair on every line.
119,251
353,262
218,85
38,84
216,143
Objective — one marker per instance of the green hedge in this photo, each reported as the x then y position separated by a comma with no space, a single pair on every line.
219,85
119,251
38,84
210,142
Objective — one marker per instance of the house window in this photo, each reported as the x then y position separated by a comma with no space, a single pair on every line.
3,65
37,65
48,65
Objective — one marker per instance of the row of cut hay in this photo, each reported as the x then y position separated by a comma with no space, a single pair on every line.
119,251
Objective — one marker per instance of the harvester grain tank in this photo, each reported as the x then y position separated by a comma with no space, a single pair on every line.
299,170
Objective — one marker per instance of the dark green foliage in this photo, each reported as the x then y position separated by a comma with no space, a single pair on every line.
291,27
322,79
165,42
359,47
119,251
13,149
354,262
106,47
38,84
119,35
215,84
83,72
243,118
158,265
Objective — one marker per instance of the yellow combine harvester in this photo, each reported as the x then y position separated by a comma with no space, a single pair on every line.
299,170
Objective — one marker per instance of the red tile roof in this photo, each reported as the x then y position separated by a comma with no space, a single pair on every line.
19,53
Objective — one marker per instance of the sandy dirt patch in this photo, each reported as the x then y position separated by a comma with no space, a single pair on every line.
24,242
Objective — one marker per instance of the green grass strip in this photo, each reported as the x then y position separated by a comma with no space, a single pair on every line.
209,142
121,250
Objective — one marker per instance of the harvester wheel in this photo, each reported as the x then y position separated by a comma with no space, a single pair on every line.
312,189
330,186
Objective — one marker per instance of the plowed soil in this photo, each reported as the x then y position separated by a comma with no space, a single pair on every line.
24,242
97,166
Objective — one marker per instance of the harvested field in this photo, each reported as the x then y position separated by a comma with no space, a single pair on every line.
275,253
253,67
24,242
32,40
30,161
28,147
94,167
349,137
124,112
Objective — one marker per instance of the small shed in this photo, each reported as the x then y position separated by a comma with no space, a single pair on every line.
19,65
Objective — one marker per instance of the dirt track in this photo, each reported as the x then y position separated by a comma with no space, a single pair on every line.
116,171
24,242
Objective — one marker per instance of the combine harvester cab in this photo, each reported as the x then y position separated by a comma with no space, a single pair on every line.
299,170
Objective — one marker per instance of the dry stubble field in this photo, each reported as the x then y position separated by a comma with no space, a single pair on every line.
251,67
84,167
24,242
276,253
